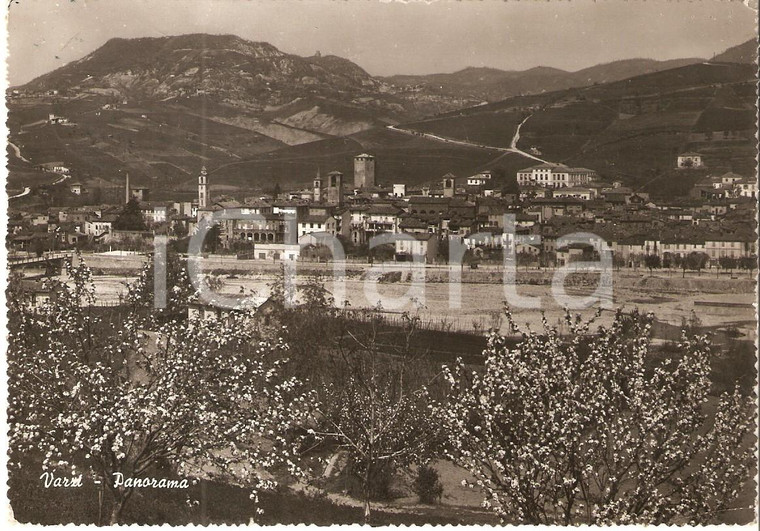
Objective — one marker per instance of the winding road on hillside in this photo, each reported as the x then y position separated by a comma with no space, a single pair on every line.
26,191
17,152
511,149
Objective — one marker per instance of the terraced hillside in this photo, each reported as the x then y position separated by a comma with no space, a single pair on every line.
631,129
162,115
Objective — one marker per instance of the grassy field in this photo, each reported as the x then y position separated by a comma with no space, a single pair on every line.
491,128
400,158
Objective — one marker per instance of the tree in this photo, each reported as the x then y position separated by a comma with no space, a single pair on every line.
108,400
694,261
141,294
376,408
525,259
574,431
728,262
213,239
130,218
652,261
749,263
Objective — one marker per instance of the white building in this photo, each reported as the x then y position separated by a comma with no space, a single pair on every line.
312,223
578,192
551,175
417,246
480,179
97,227
690,160
746,188
276,251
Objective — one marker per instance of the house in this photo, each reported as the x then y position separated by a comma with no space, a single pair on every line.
734,245
575,252
313,223
276,251
578,192
76,188
689,160
211,310
549,207
153,212
362,222
258,228
98,226
480,179
628,248
681,244
415,245
745,188
491,238
37,293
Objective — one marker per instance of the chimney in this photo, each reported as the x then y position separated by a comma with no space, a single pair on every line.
128,192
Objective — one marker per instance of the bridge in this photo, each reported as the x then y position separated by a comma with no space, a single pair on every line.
48,260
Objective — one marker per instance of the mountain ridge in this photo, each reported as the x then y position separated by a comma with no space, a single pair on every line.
493,84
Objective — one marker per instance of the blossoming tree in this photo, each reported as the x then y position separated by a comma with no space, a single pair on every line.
584,430
374,409
114,402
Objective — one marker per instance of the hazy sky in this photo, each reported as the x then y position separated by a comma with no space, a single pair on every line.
391,37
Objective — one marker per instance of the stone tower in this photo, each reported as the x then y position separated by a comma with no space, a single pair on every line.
318,188
335,188
449,185
203,188
364,171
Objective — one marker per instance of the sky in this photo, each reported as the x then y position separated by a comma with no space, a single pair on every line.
387,37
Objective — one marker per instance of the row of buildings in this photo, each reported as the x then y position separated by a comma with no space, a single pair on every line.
717,220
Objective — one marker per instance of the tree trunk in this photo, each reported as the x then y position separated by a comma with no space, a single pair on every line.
119,501
366,509
118,505
366,496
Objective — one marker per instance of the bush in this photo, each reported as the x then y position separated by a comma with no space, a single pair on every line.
427,485
381,483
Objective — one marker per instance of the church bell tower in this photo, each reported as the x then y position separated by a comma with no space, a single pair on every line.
203,188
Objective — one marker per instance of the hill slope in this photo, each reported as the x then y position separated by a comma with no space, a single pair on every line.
253,115
742,53
253,75
631,129
491,84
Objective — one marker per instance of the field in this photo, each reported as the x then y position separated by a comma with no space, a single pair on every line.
476,304
631,129
400,158
490,129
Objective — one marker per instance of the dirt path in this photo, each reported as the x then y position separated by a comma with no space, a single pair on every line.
22,194
511,149
17,152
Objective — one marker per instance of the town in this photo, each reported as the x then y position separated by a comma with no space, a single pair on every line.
381,263
712,228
